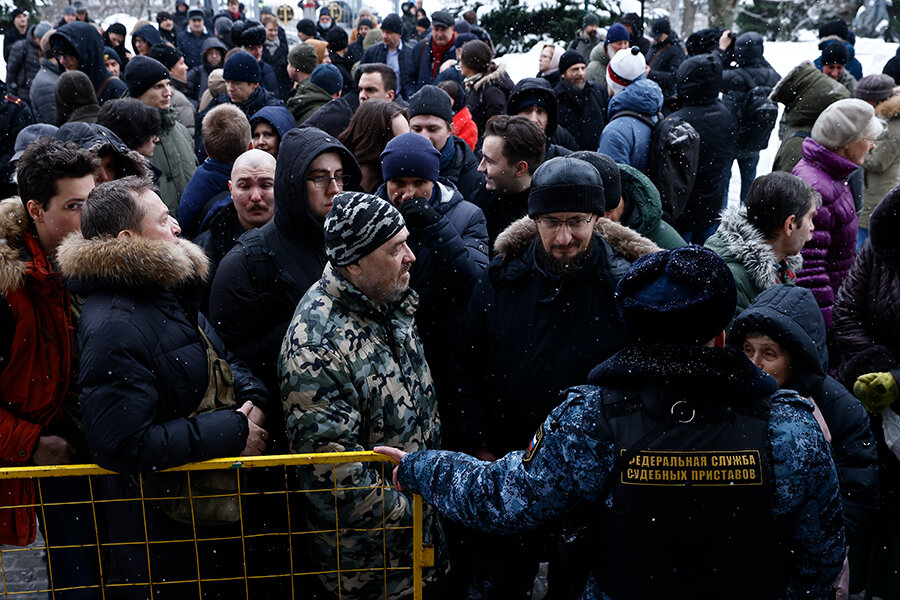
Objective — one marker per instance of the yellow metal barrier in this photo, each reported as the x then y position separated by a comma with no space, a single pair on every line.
276,467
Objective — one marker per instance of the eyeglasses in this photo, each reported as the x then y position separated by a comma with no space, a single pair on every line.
573,224
323,183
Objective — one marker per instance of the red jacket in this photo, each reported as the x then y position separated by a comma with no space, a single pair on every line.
464,127
35,369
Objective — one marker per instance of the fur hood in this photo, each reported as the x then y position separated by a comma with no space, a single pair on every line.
495,76
889,108
13,225
624,241
132,262
749,248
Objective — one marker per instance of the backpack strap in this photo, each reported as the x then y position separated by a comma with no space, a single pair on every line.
747,79
103,85
799,134
260,262
646,119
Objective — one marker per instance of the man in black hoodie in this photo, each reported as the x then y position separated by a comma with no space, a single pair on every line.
78,46
533,99
260,281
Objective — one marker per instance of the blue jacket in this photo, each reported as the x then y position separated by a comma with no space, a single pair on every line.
853,64
791,316
210,178
568,464
269,80
191,45
407,76
627,139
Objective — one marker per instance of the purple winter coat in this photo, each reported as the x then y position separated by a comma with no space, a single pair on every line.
827,257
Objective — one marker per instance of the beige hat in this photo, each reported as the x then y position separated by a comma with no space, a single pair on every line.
844,122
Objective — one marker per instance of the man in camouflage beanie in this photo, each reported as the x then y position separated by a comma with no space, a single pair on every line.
351,351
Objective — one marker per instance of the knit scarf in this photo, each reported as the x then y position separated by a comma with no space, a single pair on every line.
438,53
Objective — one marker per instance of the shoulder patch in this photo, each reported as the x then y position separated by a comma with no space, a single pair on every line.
13,99
534,445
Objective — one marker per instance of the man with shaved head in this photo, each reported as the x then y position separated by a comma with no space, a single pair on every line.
250,205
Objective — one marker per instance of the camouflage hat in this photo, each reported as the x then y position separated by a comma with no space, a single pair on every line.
357,224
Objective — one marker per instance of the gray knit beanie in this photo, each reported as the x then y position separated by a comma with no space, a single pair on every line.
844,122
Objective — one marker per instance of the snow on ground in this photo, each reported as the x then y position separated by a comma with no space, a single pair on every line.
783,56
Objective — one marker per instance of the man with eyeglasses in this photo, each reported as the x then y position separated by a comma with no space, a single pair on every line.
260,281
540,318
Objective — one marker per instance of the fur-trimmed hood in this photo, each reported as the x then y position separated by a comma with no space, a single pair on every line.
624,241
132,262
13,225
491,77
748,247
889,108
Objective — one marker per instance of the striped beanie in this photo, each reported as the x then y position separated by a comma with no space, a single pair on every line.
357,224
625,68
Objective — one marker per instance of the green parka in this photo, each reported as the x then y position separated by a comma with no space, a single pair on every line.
174,157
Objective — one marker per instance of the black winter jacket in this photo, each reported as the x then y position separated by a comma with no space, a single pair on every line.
501,210
751,70
664,59
463,169
43,101
252,307
332,118
24,63
143,361
791,316
14,117
86,41
487,96
699,81
582,112
278,62
527,335
198,77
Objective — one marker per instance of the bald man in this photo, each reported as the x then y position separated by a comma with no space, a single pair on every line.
252,204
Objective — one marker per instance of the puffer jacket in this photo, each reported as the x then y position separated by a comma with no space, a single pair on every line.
487,95
626,139
357,396
643,209
597,62
88,44
699,80
522,328
805,93
751,260
790,316
881,169
252,315
43,101
749,65
174,157
35,361
23,64
827,257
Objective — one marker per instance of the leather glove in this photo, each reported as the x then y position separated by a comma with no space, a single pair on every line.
876,391
418,213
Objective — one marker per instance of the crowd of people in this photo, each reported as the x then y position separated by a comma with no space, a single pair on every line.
218,244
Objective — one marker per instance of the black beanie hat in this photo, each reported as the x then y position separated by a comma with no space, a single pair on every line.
837,28
392,23
166,54
835,54
307,27
565,184
681,296
431,100
337,39
253,36
609,173
570,58
142,73
242,67
365,23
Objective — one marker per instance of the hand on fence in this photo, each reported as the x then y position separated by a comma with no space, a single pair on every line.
256,437
52,450
396,455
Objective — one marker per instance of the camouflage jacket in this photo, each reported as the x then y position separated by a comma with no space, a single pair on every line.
352,377
566,465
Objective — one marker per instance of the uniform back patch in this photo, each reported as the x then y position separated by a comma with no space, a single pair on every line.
689,468
534,445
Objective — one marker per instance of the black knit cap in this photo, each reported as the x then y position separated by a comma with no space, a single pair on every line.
337,39
660,26
358,224
566,184
837,28
392,23
835,54
431,100
241,67
609,173
366,23
142,73
166,54
307,27
569,59
681,296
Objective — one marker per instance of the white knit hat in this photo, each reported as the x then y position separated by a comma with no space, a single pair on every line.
625,68
844,122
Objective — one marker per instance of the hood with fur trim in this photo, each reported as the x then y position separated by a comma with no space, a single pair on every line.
624,241
748,247
495,76
131,262
13,225
889,108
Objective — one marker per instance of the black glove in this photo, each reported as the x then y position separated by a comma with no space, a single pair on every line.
418,213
